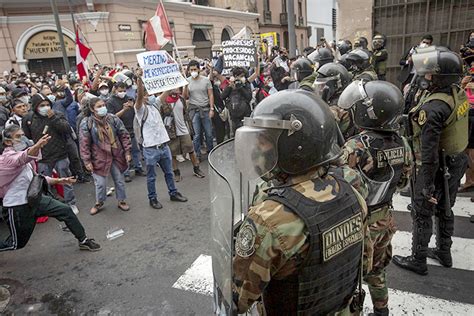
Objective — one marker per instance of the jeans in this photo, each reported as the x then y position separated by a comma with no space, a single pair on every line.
136,163
202,121
101,185
61,167
21,221
162,156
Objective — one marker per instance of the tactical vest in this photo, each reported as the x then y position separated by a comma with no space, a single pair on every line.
380,67
329,275
384,148
369,72
454,136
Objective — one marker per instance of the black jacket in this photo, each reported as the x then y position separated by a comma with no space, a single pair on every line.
4,116
237,100
115,105
58,128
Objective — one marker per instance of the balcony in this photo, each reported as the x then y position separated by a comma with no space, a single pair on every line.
284,18
267,17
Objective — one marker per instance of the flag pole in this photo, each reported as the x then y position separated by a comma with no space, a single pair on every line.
85,38
175,46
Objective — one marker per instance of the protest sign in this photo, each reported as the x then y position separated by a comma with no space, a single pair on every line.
238,53
160,72
271,40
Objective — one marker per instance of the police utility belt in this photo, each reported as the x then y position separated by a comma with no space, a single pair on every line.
160,146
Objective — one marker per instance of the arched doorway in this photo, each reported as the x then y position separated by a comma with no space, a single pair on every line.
225,35
38,49
202,43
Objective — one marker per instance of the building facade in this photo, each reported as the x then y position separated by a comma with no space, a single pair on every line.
322,15
112,28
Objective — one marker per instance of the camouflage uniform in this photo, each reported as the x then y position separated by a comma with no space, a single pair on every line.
381,222
280,240
344,121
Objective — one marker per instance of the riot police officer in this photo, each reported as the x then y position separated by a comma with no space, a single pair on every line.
359,64
440,134
384,160
331,80
379,56
321,56
289,243
344,46
300,69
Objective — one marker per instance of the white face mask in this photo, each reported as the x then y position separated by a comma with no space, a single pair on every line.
43,111
3,98
104,91
423,45
102,111
51,97
194,74
121,95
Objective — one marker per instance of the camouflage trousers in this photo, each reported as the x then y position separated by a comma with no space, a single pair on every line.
379,249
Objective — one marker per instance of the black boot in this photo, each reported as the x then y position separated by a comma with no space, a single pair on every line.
380,312
411,263
442,256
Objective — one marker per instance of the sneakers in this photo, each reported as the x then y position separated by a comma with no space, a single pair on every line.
74,208
128,179
198,173
140,173
89,244
178,197
177,175
180,158
155,204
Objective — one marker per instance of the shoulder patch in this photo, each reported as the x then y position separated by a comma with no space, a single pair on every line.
422,117
245,242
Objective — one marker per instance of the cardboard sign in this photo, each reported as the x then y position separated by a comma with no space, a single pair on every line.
160,72
238,53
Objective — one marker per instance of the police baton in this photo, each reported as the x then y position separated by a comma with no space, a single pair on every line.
446,177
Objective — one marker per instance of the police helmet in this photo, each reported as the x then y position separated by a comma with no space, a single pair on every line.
378,42
344,46
321,56
332,79
375,105
445,65
290,132
358,59
301,68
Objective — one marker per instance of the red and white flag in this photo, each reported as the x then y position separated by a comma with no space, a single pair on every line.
158,31
81,57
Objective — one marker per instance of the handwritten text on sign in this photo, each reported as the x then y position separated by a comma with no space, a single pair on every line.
160,72
239,53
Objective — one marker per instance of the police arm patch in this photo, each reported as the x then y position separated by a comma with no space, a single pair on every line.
245,242
422,117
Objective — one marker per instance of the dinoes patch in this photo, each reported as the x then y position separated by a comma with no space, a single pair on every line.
245,243
422,117
341,236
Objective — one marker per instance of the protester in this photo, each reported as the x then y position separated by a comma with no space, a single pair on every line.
19,111
4,110
43,120
201,106
179,127
16,173
155,146
105,149
122,106
407,72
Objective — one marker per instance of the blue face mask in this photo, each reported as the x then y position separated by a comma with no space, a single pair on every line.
151,99
52,97
102,111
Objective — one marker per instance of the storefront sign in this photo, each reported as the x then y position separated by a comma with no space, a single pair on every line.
238,53
125,27
160,71
46,45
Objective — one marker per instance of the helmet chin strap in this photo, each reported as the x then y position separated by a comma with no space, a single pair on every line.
367,101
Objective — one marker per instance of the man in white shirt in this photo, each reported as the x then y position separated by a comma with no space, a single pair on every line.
155,145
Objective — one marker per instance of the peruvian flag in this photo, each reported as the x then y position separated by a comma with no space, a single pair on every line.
81,57
158,31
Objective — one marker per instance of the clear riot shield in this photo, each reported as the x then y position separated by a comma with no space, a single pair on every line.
230,198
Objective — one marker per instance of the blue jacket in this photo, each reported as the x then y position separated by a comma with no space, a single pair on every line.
61,105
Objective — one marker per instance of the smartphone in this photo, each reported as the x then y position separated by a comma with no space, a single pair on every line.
45,130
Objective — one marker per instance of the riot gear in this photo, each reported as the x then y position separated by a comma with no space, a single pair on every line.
375,105
358,59
321,56
344,46
361,42
332,79
378,42
301,68
289,132
445,66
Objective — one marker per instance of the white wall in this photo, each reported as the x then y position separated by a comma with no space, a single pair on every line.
320,16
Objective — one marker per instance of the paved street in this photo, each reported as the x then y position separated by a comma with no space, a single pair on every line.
161,264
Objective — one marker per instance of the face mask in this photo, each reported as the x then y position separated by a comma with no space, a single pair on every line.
134,87
121,95
151,99
102,111
270,84
243,80
194,74
51,97
25,99
3,98
104,91
43,111
423,45
22,144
